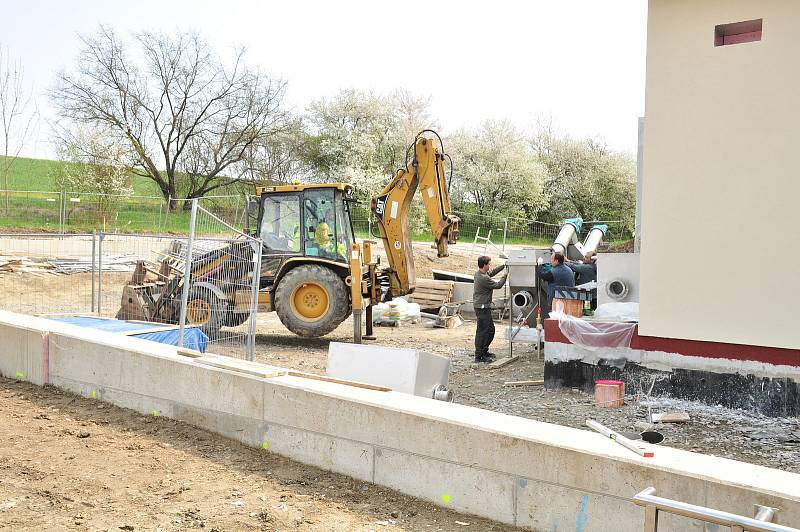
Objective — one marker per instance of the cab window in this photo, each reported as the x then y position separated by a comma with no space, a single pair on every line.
320,222
328,230
280,223
344,228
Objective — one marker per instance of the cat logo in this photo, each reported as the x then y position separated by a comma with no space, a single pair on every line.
380,206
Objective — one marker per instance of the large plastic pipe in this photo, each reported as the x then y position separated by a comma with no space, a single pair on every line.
593,239
567,235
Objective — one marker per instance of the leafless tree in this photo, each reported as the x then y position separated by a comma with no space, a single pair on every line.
17,112
179,108
281,158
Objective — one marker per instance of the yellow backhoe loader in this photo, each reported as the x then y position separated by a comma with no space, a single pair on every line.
313,272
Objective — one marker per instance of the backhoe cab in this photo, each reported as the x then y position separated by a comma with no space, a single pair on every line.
307,234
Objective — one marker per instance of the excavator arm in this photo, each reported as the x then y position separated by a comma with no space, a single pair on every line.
391,207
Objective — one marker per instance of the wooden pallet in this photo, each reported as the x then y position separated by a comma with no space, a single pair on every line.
430,294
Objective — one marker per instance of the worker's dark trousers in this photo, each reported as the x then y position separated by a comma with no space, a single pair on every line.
485,332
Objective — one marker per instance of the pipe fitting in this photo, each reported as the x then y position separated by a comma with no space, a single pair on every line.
441,393
617,289
522,300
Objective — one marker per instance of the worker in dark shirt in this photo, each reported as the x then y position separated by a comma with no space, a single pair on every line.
586,272
558,274
482,302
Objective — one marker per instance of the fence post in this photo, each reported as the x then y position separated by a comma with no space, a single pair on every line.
187,273
100,272
62,213
236,214
505,231
160,210
94,257
256,284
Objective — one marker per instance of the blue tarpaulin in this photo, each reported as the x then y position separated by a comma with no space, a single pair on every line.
193,338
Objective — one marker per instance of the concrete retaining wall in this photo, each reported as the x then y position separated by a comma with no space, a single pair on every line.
514,470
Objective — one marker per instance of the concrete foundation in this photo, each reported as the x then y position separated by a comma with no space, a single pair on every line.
518,471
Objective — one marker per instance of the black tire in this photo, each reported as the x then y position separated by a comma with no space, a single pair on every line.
205,310
234,319
301,305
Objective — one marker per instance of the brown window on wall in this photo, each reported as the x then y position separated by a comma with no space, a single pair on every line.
737,32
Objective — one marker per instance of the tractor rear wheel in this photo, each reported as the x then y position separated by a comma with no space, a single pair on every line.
312,300
205,311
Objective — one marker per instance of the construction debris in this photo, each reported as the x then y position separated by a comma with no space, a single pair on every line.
671,417
64,265
524,383
442,320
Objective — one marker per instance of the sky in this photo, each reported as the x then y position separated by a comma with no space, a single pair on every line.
579,64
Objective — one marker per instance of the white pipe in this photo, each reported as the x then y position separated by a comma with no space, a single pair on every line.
593,239
566,236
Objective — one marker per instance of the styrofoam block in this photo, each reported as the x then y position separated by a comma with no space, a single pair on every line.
403,370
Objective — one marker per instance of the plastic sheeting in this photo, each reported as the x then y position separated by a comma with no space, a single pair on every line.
193,338
594,335
398,309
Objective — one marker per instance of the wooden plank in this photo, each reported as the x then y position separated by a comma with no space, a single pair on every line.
256,372
524,383
191,353
446,293
434,283
671,417
650,518
427,299
428,303
432,292
500,362
436,288
162,328
442,295
340,381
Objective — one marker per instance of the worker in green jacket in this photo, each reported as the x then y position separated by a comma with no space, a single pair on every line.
482,302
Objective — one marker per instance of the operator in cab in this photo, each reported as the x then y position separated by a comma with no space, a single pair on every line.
323,234
482,301
556,274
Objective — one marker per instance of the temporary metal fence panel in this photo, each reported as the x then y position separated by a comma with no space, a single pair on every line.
76,212
111,213
86,274
46,273
232,209
117,257
30,210
223,267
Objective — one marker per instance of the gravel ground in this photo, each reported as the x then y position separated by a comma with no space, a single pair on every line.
771,442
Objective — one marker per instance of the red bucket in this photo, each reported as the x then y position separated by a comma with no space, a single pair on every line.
609,393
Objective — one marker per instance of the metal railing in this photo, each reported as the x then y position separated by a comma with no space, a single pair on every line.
762,522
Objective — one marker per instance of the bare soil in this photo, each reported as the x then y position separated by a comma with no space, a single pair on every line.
71,463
